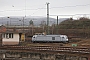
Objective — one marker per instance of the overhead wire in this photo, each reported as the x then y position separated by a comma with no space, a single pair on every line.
70,6
45,8
37,9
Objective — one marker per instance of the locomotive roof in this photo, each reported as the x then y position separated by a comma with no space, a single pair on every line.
52,35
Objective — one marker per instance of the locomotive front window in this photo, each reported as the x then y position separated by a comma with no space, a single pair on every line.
34,37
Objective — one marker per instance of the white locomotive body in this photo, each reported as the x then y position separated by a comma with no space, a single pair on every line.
49,38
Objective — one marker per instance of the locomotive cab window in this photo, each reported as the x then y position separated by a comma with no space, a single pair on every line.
62,37
53,38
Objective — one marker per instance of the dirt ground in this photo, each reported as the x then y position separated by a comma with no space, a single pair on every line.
80,42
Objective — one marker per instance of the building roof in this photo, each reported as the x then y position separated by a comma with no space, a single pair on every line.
10,31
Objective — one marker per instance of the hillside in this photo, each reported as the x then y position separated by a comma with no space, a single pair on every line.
82,23
79,28
78,31
18,20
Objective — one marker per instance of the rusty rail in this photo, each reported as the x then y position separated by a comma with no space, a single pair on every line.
48,48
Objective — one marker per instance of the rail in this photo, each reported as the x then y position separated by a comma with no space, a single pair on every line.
49,48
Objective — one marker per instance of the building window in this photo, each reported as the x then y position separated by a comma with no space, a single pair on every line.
12,35
4,36
53,38
8,35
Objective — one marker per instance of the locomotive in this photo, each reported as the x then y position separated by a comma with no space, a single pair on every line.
49,38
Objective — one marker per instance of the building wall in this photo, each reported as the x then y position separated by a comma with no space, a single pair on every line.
11,41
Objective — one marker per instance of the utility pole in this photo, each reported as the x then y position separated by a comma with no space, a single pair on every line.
47,18
57,24
7,26
10,20
23,24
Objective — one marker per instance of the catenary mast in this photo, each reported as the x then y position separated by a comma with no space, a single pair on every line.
47,18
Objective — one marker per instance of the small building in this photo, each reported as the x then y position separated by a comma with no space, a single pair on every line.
12,38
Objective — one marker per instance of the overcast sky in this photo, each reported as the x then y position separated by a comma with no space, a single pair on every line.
38,7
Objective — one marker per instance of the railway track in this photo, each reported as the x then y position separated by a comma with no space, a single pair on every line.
48,48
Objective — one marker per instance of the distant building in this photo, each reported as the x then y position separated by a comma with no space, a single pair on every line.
2,29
